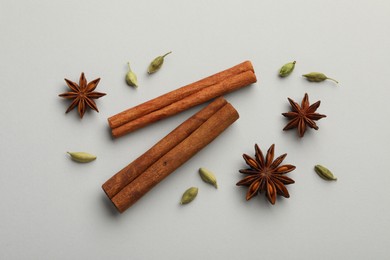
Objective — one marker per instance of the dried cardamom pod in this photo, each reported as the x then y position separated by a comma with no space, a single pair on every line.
82,157
208,177
324,173
189,195
131,78
317,77
156,64
287,69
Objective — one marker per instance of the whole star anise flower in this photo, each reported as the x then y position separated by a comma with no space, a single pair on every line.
266,175
302,116
82,94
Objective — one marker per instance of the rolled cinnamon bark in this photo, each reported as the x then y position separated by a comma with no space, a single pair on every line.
227,85
176,95
120,180
177,156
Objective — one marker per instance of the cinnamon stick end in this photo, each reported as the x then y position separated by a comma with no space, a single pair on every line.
106,190
109,120
248,64
253,78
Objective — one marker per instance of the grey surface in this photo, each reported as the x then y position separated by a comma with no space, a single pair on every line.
53,208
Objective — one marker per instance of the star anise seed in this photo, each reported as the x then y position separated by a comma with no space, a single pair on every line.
266,174
82,94
302,116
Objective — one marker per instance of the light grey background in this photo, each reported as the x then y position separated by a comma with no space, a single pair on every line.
53,208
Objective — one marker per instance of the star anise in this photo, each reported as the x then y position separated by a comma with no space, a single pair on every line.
266,175
303,116
82,94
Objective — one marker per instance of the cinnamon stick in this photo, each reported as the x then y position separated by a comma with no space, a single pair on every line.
177,156
120,180
225,86
176,95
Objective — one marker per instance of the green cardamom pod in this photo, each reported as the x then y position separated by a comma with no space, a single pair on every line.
82,157
156,64
287,69
131,78
324,173
189,195
208,177
317,77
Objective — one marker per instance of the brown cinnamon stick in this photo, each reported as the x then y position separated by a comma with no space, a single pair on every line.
225,86
120,180
177,156
176,95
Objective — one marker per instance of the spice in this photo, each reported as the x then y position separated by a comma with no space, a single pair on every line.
208,177
175,157
82,157
317,77
266,174
287,69
156,64
176,95
324,173
189,195
82,94
302,116
129,173
182,98
131,78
